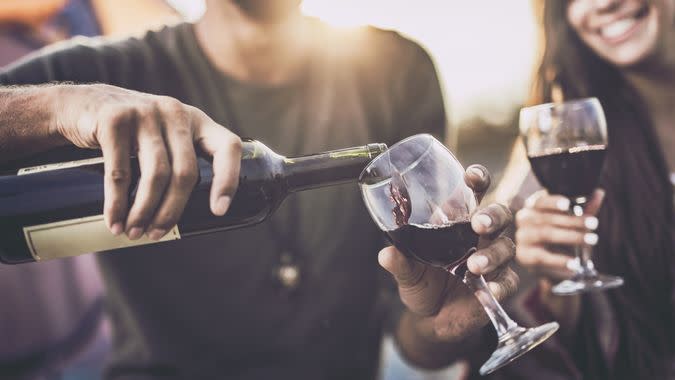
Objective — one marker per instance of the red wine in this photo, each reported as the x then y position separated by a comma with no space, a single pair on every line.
445,246
399,195
55,210
573,173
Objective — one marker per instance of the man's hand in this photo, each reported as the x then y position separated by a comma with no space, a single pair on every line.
441,307
162,132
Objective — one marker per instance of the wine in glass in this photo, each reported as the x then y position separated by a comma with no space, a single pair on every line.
416,193
566,145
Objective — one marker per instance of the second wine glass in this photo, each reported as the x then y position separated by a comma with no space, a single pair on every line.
416,193
566,144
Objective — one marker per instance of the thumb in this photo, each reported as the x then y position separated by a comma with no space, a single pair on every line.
407,272
594,205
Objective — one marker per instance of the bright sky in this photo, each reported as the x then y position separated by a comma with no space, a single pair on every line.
483,49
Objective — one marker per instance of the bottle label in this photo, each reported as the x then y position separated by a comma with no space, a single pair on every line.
60,165
79,236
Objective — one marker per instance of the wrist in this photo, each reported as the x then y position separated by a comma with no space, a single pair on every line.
419,344
58,110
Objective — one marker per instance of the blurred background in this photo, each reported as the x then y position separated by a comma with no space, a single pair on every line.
484,51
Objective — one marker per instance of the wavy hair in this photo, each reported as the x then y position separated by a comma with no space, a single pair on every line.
636,216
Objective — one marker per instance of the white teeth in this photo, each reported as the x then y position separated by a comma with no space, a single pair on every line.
617,28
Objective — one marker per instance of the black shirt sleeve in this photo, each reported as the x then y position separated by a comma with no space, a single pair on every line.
78,61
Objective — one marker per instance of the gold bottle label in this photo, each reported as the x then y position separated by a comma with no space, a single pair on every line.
79,236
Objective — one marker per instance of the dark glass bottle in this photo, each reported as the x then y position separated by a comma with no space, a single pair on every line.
55,210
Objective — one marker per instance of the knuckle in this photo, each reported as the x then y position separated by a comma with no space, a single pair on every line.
146,114
160,172
185,177
503,211
194,114
170,104
173,108
507,247
522,217
234,143
119,176
120,116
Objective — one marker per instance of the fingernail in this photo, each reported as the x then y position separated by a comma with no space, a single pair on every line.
477,172
591,222
484,220
156,233
563,204
135,233
591,238
222,204
479,261
117,229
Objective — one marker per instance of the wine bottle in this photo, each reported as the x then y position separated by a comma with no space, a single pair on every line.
55,210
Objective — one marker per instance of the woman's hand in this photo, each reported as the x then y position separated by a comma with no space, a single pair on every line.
545,237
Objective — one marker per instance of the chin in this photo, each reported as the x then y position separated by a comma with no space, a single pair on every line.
630,59
641,54
268,10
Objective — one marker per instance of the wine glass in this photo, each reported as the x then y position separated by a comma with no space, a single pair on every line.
416,193
566,145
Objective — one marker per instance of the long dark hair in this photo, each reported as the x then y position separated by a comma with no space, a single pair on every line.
636,216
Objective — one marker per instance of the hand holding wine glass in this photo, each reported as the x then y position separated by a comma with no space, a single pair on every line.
446,309
417,194
544,231
566,145
545,228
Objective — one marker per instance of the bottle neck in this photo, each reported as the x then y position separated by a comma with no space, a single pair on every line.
329,168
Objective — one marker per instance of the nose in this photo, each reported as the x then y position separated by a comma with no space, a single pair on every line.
606,5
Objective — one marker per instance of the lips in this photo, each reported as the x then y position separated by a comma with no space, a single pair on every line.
618,28
621,28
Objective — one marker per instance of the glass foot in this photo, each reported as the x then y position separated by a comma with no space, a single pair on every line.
516,343
580,284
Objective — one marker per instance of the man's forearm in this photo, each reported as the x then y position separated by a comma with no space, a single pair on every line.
27,121
417,343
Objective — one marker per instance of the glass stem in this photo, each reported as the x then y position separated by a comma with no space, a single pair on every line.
504,325
585,267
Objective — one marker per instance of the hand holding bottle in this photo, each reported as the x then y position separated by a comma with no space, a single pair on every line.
162,132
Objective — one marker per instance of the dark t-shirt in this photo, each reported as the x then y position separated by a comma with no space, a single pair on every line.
210,306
